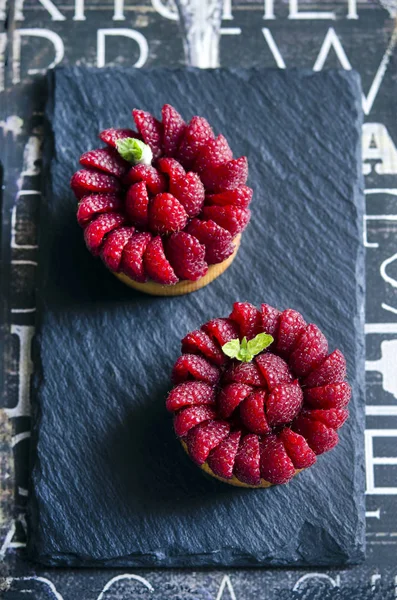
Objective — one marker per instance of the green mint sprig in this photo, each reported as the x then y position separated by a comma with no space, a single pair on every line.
135,151
246,350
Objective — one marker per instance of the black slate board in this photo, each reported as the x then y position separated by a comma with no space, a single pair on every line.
110,484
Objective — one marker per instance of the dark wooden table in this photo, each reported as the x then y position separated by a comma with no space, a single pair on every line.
36,35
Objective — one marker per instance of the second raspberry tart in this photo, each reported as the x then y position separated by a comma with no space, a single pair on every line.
163,206
258,396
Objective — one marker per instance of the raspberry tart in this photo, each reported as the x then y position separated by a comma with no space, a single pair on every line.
163,206
258,396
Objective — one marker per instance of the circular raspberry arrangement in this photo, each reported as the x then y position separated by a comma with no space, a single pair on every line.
258,396
163,203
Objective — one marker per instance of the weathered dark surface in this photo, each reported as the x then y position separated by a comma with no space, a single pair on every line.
116,488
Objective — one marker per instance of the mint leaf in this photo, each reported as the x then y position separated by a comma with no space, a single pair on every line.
134,151
244,350
259,343
232,348
244,354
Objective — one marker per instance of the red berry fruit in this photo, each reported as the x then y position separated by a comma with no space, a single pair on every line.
275,464
247,462
85,181
222,330
205,437
217,241
221,460
231,218
156,265
290,326
333,395
252,413
248,319
197,134
166,214
174,128
96,231
186,254
331,370
189,417
96,204
150,129
198,342
190,393
112,136
132,257
113,246
297,448
240,197
107,160
155,181
190,366
190,192
137,204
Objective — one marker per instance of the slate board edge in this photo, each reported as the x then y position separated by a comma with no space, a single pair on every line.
194,560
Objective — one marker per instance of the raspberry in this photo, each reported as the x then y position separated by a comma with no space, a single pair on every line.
240,197
284,403
274,369
245,373
270,319
333,395
150,129
174,128
231,218
204,438
190,393
291,325
215,153
186,255
231,396
107,160
155,181
113,246
217,241
228,176
192,416
311,349
246,466
252,413
298,449
332,370
191,366
132,257
221,459
319,437
190,192
166,214
332,417
198,342
111,136
172,168
137,204
156,265
85,181
222,330
275,464
96,204
248,319
196,136
95,232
